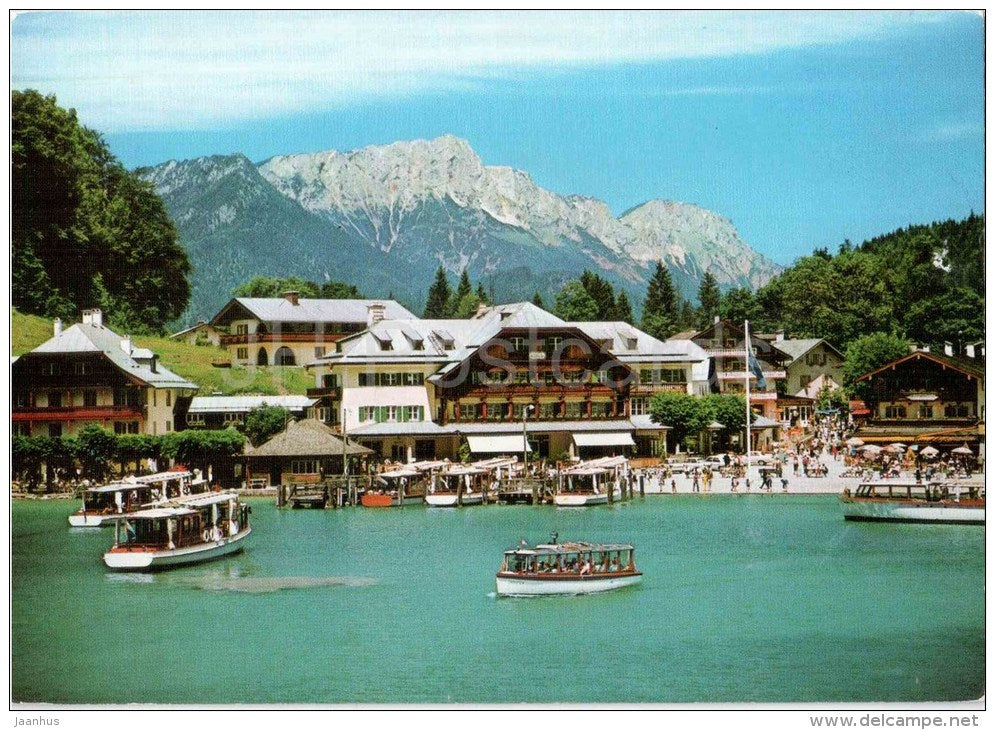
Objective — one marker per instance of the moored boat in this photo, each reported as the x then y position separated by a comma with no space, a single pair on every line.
186,530
569,568
402,486
591,483
461,484
948,502
104,504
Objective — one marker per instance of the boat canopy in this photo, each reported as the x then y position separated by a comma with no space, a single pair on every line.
399,474
567,548
203,500
597,466
113,487
163,476
158,513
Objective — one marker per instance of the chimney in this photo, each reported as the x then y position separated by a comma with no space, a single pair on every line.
948,349
481,309
716,320
968,350
376,312
152,363
292,297
126,344
94,317
779,336
57,325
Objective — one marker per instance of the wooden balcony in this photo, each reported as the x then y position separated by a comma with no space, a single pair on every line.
529,390
80,413
333,392
279,338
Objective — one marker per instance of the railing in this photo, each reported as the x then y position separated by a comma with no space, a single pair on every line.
468,390
742,374
334,391
78,413
279,337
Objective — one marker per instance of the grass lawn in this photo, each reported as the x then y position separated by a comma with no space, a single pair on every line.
192,362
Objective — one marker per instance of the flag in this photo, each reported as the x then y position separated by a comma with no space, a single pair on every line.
754,366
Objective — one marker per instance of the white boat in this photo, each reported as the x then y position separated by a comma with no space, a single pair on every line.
104,504
464,484
589,483
569,568
948,502
401,486
190,529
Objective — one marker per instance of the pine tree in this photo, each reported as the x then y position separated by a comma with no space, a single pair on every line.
709,299
439,294
482,294
623,310
537,300
601,292
660,315
688,316
463,288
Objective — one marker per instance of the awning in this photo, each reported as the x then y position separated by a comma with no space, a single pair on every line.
506,444
604,439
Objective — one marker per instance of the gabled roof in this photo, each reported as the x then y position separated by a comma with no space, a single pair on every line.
188,330
85,337
308,437
968,366
280,309
798,348
629,344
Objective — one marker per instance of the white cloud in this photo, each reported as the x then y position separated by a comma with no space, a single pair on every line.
169,70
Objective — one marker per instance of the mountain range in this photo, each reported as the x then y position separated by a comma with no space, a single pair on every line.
385,217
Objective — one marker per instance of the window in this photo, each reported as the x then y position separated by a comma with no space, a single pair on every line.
319,351
122,427
242,353
90,398
21,429
330,380
49,368
82,368
894,411
673,376
232,417
497,411
169,399
646,377
169,426
519,344
241,329
54,430
390,379
195,419
284,356
576,409
549,410
469,411
55,399
553,344
925,411
639,406
304,466
22,399
804,380
518,409
956,411
399,452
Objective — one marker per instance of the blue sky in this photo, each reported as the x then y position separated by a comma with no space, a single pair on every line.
803,128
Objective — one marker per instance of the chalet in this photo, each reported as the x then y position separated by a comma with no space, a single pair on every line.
289,330
87,374
926,398
416,389
812,364
201,333
222,411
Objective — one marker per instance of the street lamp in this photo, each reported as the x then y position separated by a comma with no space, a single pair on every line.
525,437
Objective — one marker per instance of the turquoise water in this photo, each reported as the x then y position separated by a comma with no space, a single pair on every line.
744,599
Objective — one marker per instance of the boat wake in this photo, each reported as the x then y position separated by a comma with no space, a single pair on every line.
248,584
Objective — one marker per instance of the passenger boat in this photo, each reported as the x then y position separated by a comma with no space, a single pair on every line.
569,568
190,529
948,502
403,486
589,482
104,504
458,485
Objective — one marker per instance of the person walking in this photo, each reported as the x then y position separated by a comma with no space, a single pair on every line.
695,481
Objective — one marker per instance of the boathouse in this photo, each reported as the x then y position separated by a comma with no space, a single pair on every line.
305,452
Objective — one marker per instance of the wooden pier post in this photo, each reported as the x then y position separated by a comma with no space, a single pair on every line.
280,501
611,492
642,485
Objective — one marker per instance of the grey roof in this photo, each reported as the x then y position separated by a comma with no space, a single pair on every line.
279,309
628,343
307,437
199,325
796,348
645,423
245,403
92,338
408,428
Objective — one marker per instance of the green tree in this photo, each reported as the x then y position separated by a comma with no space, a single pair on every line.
868,353
85,231
601,292
439,294
686,415
954,316
195,448
829,398
660,313
481,294
727,409
95,449
267,287
264,422
340,290
709,299
739,304
574,304
623,309
537,300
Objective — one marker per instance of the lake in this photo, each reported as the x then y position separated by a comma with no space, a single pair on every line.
744,599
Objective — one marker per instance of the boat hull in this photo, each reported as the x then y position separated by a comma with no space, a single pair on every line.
386,500
80,519
876,510
568,499
159,559
563,585
450,500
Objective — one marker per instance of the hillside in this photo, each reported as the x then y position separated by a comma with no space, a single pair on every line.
193,362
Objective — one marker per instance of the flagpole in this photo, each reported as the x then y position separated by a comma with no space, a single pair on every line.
749,441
